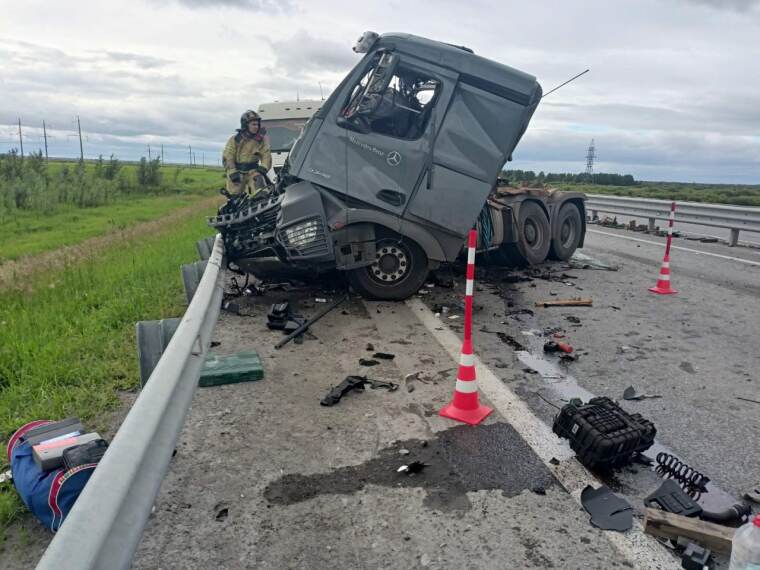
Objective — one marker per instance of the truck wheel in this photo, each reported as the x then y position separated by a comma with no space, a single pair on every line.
533,237
399,270
568,233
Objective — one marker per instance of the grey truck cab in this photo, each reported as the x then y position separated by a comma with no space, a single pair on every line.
398,164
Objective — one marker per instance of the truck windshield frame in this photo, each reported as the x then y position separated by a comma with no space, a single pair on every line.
402,110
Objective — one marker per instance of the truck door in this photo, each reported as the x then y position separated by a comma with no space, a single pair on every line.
468,153
387,124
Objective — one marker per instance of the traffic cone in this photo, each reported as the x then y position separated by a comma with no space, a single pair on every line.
663,282
465,406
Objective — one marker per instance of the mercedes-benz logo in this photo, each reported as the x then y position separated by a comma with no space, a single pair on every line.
393,158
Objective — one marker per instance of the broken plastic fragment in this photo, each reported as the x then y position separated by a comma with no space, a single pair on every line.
630,394
607,510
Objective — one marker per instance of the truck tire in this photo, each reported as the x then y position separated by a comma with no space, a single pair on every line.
567,233
399,270
533,238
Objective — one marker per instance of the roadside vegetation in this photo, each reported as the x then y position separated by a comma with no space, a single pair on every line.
626,185
67,343
46,205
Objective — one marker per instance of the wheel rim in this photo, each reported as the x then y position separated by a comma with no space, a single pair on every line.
532,233
567,233
392,263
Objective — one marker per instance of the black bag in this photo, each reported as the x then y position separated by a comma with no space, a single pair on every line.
602,434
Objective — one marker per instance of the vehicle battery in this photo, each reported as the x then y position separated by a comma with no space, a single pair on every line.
602,434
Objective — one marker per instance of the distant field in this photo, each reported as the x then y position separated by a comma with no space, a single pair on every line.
30,231
741,195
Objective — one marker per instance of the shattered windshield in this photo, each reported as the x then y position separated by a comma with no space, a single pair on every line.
283,133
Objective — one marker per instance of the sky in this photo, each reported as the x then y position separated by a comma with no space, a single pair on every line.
673,92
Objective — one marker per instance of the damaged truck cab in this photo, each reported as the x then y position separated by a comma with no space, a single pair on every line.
395,168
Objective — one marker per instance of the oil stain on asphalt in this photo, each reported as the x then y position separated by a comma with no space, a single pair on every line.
458,460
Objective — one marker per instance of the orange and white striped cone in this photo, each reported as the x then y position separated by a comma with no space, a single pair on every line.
465,406
663,282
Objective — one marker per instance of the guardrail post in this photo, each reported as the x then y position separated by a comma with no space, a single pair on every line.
594,215
152,339
652,222
191,277
734,239
205,246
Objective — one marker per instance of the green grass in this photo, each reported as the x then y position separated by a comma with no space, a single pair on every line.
67,345
29,232
741,195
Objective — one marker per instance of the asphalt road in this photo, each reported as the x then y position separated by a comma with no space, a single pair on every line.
265,477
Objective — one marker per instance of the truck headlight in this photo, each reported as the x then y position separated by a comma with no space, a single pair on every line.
303,233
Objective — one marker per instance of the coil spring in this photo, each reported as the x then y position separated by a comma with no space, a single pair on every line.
691,481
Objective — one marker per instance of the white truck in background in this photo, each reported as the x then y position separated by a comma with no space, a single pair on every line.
284,122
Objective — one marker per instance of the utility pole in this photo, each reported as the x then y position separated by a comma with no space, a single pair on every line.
20,139
44,134
191,154
194,162
162,153
203,159
149,155
81,148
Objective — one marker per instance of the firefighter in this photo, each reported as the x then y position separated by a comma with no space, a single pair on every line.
247,156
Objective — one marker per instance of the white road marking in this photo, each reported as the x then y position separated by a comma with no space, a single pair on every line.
641,550
740,260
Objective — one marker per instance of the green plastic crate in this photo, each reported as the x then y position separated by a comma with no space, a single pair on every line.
230,369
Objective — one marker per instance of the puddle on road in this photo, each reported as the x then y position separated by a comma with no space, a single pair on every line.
567,387
459,460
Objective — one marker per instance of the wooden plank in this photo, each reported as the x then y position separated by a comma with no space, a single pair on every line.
564,303
667,525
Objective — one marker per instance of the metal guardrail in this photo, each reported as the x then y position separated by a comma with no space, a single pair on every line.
106,523
734,218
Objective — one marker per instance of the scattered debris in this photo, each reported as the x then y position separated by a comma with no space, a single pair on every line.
748,400
753,494
6,476
412,468
519,312
370,346
573,319
368,362
607,510
695,557
300,330
403,451
601,433
708,239
671,498
566,358
667,525
554,461
630,394
510,340
384,356
582,261
556,346
565,303
538,489
221,513
320,300
354,383
691,480
244,366
452,317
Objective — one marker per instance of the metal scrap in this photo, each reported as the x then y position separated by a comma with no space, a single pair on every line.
354,383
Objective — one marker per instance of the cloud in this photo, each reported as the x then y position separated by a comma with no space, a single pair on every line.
144,61
736,5
304,53
254,5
